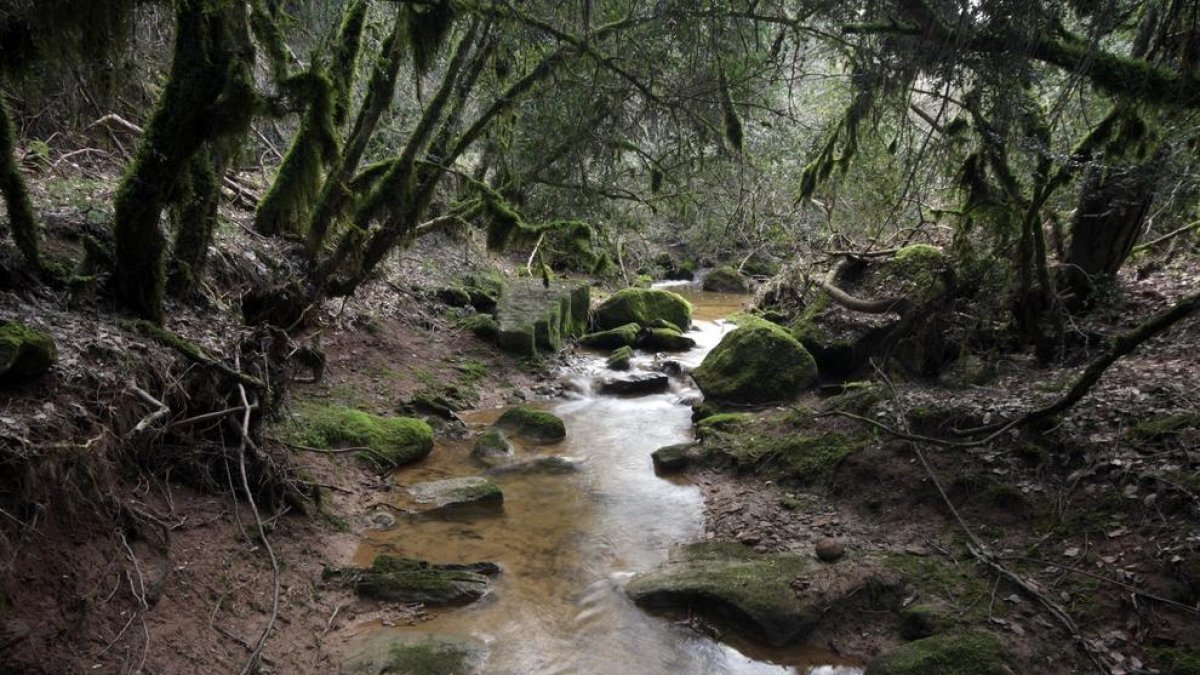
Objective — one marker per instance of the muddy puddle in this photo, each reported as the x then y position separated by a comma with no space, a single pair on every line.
567,541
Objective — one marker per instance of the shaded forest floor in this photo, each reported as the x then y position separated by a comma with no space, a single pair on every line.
133,556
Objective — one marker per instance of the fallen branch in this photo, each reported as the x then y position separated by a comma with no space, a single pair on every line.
1166,237
864,305
192,352
209,416
161,408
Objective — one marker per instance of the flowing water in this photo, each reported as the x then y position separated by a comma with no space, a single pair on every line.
567,542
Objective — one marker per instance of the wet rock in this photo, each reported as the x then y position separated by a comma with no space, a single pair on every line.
675,458
639,384
382,520
492,443
620,359
726,279
968,653
665,340
758,362
538,465
672,368
457,493
536,425
25,353
534,317
417,654
397,579
830,549
727,580
663,323
621,336
642,306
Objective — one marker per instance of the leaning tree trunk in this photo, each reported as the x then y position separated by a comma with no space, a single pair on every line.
1111,214
208,95
16,196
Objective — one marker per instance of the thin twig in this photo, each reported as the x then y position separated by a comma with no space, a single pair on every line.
161,410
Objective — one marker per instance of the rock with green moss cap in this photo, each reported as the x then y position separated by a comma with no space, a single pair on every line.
492,443
25,353
968,653
663,323
455,494
396,579
484,326
642,306
416,654
665,340
726,279
758,362
395,441
535,425
675,458
728,581
620,358
613,338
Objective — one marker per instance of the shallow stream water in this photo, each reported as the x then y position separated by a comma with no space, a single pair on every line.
568,542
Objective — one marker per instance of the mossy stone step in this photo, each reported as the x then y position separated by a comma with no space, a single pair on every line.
396,579
533,317
458,493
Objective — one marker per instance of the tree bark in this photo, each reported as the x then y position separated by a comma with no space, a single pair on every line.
16,196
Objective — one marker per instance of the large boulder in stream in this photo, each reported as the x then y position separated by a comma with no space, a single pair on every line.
776,598
637,384
534,425
416,654
642,306
726,279
758,362
457,494
664,340
613,338
534,317
396,579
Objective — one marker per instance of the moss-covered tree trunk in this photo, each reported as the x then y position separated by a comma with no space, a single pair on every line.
289,203
16,196
1112,212
208,95
196,215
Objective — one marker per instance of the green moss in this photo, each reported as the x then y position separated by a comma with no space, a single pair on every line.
758,362
934,577
921,273
534,424
666,340
969,653
726,422
483,326
493,443
390,440
921,621
621,336
410,653
1174,661
1165,428
397,579
24,353
620,358
726,280
641,306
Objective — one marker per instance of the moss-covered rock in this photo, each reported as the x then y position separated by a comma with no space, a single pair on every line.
25,353
665,340
727,581
613,338
718,422
416,654
620,358
663,323
758,362
458,493
453,296
533,317
726,279
536,425
492,443
674,458
392,441
483,326
641,306
920,272
396,579
969,653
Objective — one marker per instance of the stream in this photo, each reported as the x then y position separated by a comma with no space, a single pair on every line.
567,542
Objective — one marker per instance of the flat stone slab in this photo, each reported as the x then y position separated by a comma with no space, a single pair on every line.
457,493
535,317
418,653
538,465
638,384
396,579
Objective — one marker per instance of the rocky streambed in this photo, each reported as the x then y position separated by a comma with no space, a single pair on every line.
539,546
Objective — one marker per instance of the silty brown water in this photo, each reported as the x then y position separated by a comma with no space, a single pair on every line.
568,541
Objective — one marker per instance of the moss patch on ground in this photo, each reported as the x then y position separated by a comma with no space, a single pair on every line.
967,653
395,441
